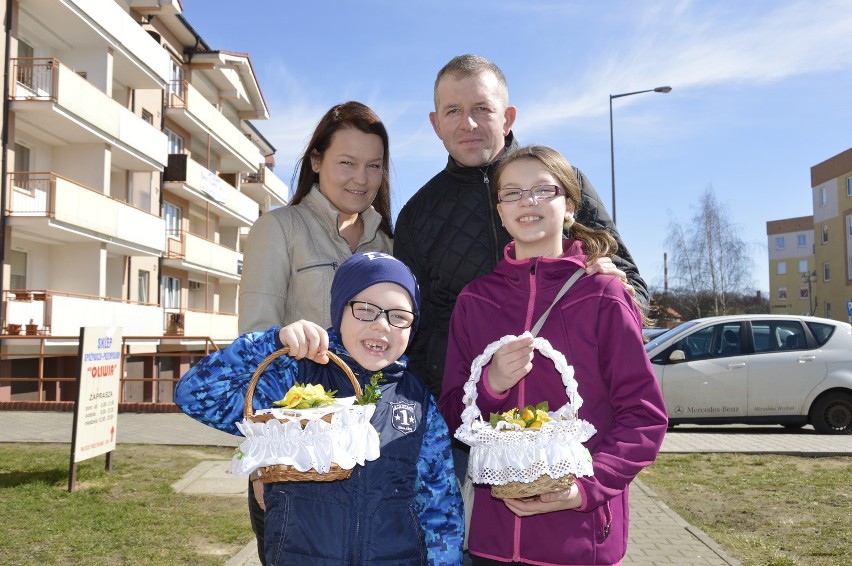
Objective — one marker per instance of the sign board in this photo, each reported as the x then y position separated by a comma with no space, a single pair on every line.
96,410
849,308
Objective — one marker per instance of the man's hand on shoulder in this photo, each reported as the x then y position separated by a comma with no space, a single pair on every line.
605,266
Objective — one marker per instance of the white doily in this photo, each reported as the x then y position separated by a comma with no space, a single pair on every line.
512,454
349,439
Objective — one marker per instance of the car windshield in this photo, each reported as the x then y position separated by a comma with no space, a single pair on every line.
677,330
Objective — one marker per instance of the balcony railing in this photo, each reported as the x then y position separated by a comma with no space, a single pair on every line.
46,194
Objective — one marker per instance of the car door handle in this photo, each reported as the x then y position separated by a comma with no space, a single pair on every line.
736,366
803,359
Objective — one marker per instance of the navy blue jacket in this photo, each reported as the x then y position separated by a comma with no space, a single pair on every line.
403,508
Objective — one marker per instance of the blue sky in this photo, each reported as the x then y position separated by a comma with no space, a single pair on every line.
762,91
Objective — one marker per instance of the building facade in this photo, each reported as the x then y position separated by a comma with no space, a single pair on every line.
132,174
827,283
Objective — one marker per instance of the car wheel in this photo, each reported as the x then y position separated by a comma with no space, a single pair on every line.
832,414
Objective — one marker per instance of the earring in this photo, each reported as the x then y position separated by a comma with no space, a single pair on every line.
569,222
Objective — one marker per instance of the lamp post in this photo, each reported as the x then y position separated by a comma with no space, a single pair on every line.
663,89
810,277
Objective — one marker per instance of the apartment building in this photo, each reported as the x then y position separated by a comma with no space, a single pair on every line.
132,176
818,246
831,183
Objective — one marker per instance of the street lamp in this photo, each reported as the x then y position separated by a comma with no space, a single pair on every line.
810,277
663,89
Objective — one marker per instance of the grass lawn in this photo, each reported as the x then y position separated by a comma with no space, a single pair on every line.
765,510
128,516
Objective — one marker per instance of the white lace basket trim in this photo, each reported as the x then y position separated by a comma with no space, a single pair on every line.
498,457
349,439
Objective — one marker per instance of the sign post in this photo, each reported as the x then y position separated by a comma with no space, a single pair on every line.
96,409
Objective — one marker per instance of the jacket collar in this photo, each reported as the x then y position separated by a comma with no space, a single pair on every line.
323,207
548,268
509,145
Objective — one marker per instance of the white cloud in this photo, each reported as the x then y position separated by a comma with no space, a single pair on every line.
696,44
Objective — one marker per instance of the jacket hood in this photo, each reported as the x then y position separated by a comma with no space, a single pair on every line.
558,269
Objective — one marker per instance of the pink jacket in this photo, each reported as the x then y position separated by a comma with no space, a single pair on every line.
598,328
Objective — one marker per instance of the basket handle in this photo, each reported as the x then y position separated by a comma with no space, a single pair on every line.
472,412
248,411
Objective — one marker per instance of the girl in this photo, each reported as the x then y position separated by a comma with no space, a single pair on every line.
597,326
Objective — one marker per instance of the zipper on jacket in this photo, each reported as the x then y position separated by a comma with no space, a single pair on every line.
498,252
607,520
333,265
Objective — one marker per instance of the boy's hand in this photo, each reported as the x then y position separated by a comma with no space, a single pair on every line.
605,266
510,364
306,340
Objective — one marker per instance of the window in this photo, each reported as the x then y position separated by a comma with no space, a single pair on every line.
171,292
142,285
822,332
171,214
779,242
776,335
18,270
22,166
825,234
849,226
147,116
801,240
826,272
803,266
823,197
176,79
782,293
720,340
782,268
175,141
849,187
827,310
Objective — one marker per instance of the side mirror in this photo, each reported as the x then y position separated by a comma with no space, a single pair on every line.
677,356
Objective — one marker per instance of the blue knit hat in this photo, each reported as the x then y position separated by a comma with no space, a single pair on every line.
363,270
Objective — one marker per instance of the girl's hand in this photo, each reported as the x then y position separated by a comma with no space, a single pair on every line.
306,340
545,503
605,266
510,364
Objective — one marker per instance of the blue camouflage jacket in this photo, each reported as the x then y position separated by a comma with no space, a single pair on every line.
403,508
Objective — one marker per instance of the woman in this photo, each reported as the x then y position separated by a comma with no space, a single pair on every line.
341,206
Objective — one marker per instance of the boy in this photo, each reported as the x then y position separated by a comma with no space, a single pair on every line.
404,507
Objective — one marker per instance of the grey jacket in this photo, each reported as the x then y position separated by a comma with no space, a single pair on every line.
289,261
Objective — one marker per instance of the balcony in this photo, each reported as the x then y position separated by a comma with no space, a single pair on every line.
218,326
54,104
62,314
191,181
193,253
187,107
58,208
100,27
265,187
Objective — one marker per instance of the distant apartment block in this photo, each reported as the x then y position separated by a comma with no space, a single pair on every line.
132,175
827,237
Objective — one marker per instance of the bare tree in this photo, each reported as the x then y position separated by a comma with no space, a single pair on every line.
709,257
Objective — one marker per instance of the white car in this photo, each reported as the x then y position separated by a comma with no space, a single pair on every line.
756,369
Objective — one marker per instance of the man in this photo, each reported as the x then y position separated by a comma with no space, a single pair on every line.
449,232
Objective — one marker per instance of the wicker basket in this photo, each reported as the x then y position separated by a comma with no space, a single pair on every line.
553,455
281,472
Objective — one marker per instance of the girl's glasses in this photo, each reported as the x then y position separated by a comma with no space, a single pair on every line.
368,312
539,192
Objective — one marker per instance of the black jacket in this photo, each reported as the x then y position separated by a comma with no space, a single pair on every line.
449,234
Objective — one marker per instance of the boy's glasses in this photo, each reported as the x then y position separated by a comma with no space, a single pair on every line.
539,192
368,312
